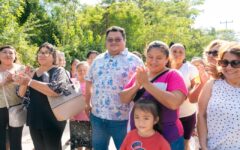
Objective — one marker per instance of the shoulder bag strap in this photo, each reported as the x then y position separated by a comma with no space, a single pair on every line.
48,77
4,92
159,75
5,97
69,79
140,92
68,76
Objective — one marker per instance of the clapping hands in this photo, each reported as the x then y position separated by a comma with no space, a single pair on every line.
141,76
23,77
6,77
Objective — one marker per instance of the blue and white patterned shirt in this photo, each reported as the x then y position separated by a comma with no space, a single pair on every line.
108,75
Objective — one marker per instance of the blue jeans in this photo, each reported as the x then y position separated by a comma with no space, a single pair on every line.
103,129
177,144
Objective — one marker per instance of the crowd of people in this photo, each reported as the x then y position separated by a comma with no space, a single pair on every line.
157,103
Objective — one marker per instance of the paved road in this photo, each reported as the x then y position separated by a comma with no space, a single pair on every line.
27,141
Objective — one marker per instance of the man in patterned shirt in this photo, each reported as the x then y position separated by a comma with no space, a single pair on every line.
109,72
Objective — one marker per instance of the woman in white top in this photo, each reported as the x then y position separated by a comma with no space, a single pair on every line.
191,78
219,104
8,97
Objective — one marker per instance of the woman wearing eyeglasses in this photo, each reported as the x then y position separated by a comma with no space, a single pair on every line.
219,104
48,80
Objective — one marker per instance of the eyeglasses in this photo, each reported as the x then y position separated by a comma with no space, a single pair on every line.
46,54
7,53
117,40
233,63
214,53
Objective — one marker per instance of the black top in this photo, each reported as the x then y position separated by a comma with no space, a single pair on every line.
39,114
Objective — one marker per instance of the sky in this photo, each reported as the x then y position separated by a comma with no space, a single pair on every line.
217,12
214,13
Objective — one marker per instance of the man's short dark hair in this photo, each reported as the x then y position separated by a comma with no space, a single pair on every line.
116,29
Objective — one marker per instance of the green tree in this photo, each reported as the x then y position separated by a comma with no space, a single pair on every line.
130,17
43,28
228,35
12,33
76,28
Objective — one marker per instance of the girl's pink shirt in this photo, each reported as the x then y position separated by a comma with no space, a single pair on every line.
82,116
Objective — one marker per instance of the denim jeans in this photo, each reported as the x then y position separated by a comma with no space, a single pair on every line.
103,129
177,144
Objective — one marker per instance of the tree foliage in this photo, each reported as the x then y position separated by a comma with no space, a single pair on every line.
76,28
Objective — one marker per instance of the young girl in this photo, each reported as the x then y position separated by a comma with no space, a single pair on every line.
80,129
147,133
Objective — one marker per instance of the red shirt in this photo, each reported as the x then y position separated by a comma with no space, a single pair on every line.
135,142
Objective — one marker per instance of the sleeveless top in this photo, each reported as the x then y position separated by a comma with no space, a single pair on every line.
223,118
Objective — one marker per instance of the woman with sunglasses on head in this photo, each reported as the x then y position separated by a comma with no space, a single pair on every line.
48,80
219,105
210,54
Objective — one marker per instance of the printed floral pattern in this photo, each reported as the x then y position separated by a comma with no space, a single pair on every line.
109,75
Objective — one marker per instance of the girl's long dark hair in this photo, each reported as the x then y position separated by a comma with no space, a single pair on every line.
151,106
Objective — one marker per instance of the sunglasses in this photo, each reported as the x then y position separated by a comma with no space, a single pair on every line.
46,54
233,63
214,53
117,40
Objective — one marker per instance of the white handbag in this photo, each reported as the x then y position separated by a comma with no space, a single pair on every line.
17,113
68,104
